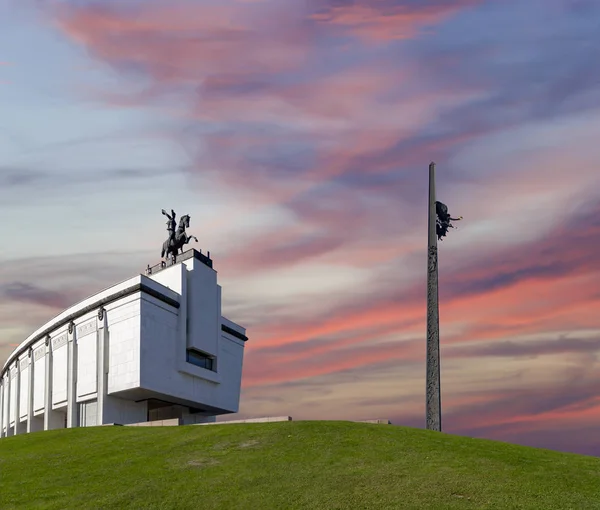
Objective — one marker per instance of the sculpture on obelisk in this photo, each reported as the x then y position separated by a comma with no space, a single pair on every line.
443,220
439,221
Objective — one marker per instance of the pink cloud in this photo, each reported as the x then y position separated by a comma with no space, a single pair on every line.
183,43
389,19
329,363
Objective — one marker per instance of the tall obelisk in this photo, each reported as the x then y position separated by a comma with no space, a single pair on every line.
433,412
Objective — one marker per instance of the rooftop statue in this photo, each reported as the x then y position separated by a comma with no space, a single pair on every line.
177,237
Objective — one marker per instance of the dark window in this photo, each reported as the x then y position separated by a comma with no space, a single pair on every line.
200,360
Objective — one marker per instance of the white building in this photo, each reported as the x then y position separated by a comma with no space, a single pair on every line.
153,347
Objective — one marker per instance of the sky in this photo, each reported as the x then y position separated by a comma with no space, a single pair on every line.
297,134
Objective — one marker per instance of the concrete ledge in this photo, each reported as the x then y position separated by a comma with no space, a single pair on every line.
251,420
157,423
381,422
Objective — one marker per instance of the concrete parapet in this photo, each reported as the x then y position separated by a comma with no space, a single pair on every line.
267,419
157,423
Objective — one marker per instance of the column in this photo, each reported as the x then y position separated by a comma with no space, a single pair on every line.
1,407
52,419
48,386
8,384
182,319
19,429
30,396
102,366
433,416
7,395
72,415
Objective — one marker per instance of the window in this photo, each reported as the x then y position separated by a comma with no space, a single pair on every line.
200,360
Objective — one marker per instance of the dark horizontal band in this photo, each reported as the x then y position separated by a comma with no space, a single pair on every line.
233,332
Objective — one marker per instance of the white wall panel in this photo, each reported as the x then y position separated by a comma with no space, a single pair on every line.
5,406
203,308
59,375
1,408
87,372
13,399
122,310
24,393
39,379
159,349
124,350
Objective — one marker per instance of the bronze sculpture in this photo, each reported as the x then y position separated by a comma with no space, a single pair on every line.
171,223
443,220
177,238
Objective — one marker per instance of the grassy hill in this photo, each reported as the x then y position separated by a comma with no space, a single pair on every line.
315,465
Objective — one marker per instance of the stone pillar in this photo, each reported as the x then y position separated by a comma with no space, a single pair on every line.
1,407
9,402
52,419
48,385
35,423
19,428
433,414
182,321
30,396
8,385
72,415
102,366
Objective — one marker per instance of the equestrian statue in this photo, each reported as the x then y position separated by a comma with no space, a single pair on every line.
177,237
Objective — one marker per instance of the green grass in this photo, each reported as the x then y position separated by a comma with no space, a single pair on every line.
314,465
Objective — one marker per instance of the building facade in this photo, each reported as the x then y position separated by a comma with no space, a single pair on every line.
153,347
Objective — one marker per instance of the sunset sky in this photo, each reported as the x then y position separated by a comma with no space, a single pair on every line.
297,134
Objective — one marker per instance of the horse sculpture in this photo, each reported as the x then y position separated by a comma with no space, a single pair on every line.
180,238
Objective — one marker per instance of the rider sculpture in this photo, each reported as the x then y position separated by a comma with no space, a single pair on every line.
177,237
171,223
